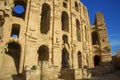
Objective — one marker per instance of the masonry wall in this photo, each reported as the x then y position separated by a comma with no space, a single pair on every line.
56,31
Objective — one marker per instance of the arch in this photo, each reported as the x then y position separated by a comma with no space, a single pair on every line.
79,59
43,53
45,19
95,38
96,60
78,30
14,50
65,21
65,58
76,6
65,38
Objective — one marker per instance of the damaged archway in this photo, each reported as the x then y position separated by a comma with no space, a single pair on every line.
13,59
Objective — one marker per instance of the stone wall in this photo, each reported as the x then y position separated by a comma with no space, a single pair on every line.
116,62
42,72
56,31
75,74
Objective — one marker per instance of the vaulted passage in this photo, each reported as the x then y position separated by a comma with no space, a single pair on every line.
65,21
96,60
45,19
14,50
65,58
78,30
43,53
95,38
79,59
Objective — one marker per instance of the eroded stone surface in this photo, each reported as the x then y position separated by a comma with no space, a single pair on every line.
55,32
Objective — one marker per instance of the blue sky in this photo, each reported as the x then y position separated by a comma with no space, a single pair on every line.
111,12
19,9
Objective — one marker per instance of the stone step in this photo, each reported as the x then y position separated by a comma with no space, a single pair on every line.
10,77
7,78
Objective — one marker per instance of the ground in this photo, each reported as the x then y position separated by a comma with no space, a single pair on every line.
111,76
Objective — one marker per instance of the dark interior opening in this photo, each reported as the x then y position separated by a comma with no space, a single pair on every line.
64,4
15,30
65,58
65,39
65,21
78,30
76,6
79,59
45,19
1,20
95,38
96,60
43,52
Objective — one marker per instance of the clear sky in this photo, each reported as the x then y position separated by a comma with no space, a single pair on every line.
111,12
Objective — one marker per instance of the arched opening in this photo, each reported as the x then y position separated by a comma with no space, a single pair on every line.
76,6
64,4
86,33
79,59
43,53
96,60
15,30
65,58
65,21
65,39
19,8
14,50
95,38
45,19
78,30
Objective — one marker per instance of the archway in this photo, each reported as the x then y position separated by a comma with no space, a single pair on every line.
65,21
45,19
95,38
76,6
79,59
43,52
96,60
65,58
14,50
65,39
78,30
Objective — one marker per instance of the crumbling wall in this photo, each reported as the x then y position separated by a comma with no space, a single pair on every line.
41,72
116,62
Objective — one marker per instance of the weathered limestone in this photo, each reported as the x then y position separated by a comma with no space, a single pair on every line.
50,39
